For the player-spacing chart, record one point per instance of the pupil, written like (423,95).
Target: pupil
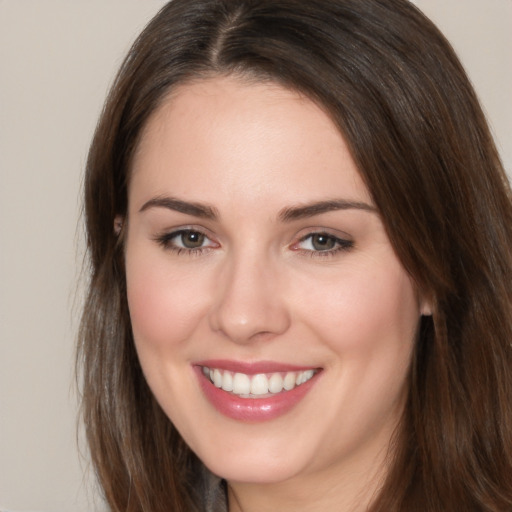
(192,240)
(323,242)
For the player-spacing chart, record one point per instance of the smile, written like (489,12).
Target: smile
(259,385)
(254,392)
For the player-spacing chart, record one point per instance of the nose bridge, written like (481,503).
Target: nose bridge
(250,299)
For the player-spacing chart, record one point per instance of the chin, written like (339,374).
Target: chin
(252,474)
(256,466)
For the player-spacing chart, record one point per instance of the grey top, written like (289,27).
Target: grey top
(214,492)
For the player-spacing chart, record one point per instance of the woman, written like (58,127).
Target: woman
(300,296)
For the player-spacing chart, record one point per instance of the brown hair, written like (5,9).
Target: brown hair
(401,99)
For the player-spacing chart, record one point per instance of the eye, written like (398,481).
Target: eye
(320,242)
(188,240)
(323,243)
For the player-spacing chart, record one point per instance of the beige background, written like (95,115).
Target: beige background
(57,58)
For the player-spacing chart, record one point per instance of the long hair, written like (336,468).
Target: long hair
(400,98)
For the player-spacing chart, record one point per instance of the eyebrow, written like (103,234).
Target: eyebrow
(288,214)
(189,208)
(317,208)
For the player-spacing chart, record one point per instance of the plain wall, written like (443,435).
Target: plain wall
(57,58)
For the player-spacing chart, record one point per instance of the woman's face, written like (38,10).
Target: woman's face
(256,259)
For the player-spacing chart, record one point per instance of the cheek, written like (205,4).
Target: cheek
(165,304)
(367,308)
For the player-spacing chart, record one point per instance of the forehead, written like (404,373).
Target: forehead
(228,136)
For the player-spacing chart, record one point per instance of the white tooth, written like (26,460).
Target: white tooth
(211,374)
(241,384)
(289,381)
(259,384)
(227,381)
(217,378)
(206,371)
(300,378)
(307,375)
(275,383)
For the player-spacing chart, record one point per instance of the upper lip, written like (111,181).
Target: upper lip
(254,367)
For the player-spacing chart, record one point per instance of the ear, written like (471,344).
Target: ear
(118,224)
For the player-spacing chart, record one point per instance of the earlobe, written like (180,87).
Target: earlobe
(118,224)
(426,301)
(426,310)
(426,306)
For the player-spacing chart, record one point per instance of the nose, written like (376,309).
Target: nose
(250,301)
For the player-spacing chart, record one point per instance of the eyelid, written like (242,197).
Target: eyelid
(185,228)
(317,230)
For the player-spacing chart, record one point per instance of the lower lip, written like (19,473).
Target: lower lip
(252,410)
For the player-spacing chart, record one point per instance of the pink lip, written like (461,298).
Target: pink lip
(252,410)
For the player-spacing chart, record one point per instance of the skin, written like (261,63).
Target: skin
(260,290)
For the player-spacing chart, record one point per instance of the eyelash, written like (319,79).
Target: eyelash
(166,241)
(340,244)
